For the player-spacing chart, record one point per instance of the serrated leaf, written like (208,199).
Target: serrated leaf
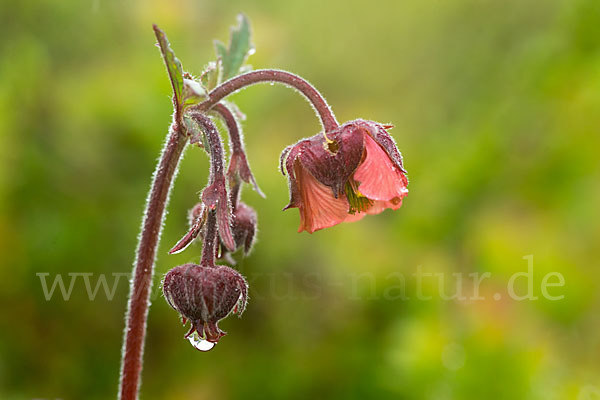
(240,48)
(174,68)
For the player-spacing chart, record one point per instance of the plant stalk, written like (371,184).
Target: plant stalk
(272,75)
(236,147)
(137,308)
(211,239)
(141,285)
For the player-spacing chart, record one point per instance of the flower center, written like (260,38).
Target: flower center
(357,201)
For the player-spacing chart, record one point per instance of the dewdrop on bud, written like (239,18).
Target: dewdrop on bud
(204,295)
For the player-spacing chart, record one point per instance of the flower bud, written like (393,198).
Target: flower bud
(244,232)
(356,170)
(244,226)
(205,295)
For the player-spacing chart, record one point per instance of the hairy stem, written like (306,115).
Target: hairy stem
(139,294)
(236,146)
(217,162)
(209,246)
(215,194)
(271,75)
(232,127)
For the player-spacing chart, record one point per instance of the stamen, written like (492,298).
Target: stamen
(356,200)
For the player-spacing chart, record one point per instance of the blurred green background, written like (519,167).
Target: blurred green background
(497,113)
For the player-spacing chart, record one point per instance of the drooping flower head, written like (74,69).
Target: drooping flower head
(204,295)
(356,170)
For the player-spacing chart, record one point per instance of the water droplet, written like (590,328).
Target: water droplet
(199,343)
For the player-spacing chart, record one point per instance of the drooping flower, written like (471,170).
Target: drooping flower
(204,295)
(356,170)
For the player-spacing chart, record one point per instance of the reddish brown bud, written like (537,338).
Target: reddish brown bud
(205,295)
(244,226)
(244,231)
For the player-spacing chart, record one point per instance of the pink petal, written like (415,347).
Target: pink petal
(379,177)
(377,207)
(318,208)
(355,217)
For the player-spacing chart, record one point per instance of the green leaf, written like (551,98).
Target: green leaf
(240,48)
(210,77)
(174,67)
(193,93)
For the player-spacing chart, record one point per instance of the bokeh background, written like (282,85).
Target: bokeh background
(497,112)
